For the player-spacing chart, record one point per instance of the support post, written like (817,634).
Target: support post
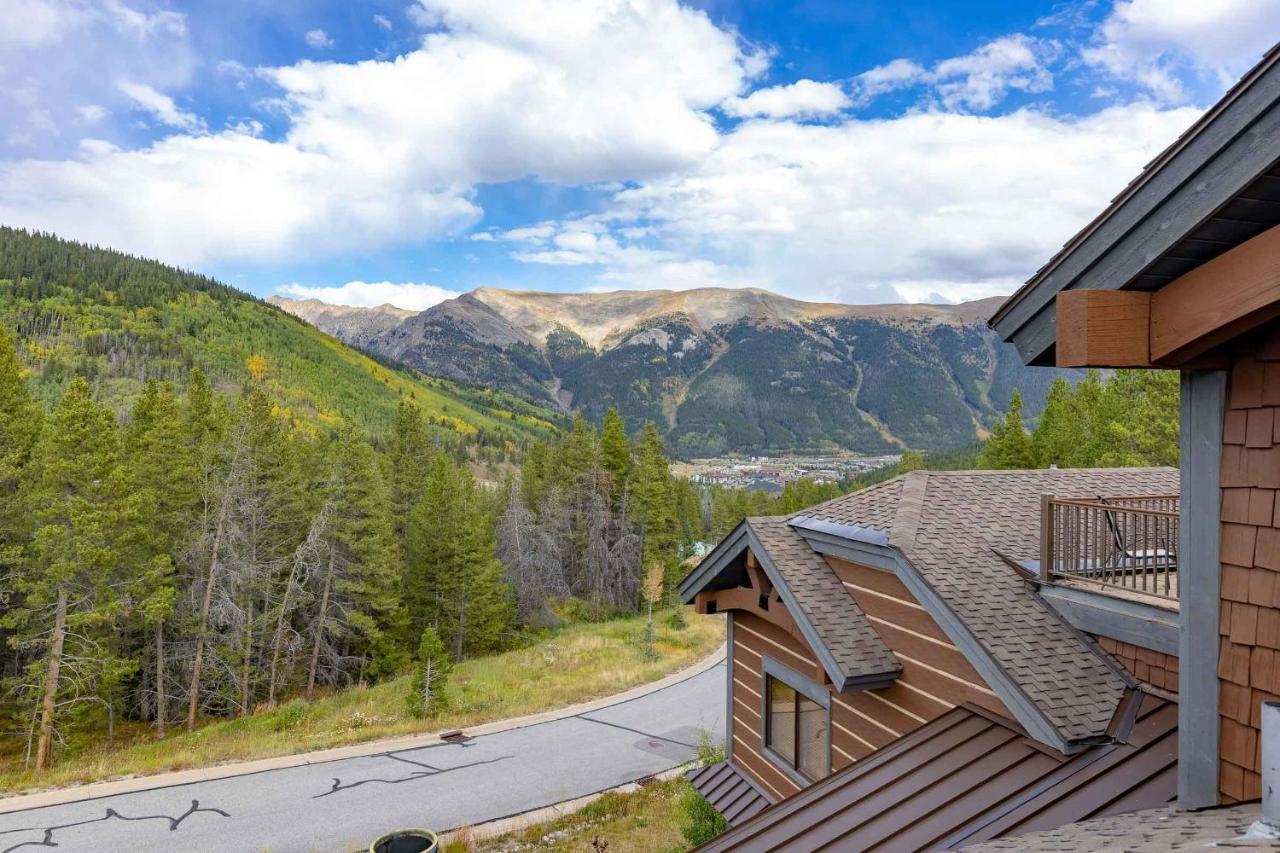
(1203,405)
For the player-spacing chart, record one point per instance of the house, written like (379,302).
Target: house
(1173,589)
(891,652)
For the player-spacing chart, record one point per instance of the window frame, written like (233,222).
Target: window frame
(809,689)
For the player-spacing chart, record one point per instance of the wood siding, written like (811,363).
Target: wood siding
(1248,663)
(1156,669)
(935,678)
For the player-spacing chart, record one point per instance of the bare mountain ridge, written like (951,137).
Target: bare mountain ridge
(601,319)
(723,369)
(355,326)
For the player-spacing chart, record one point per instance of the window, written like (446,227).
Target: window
(796,730)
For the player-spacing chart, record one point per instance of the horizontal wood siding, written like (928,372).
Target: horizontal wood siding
(935,678)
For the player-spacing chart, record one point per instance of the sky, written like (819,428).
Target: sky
(404,152)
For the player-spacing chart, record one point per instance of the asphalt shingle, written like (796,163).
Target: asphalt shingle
(950,524)
(838,620)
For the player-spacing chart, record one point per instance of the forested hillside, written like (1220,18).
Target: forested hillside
(722,370)
(206,554)
(118,321)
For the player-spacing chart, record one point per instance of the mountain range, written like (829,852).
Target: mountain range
(718,369)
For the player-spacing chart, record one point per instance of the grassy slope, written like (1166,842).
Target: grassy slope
(643,821)
(576,664)
(119,320)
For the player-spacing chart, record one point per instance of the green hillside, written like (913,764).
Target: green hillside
(119,320)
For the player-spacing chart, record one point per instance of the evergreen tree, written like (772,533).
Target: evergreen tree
(408,458)
(1060,437)
(1009,445)
(162,479)
(430,674)
(20,420)
(72,589)
(652,505)
(615,451)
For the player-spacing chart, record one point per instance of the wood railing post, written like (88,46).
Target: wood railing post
(1046,538)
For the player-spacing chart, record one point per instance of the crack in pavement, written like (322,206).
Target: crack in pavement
(421,774)
(634,731)
(48,831)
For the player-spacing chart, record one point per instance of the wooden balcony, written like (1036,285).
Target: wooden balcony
(1121,546)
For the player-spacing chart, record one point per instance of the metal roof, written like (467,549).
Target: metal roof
(971,776)
(729,792)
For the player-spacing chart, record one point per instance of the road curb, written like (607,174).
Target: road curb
(96,790)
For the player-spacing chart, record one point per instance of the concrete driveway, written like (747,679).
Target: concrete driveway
(345,803)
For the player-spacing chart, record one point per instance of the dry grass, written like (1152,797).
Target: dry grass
(576,664)
(644,821)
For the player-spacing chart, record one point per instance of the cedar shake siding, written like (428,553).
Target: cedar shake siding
(1154,669)
(935,678)
(1248,670)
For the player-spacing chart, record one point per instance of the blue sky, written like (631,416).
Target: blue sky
(405,151)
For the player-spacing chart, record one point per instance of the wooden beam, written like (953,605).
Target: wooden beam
(1216,301)
(1103,328)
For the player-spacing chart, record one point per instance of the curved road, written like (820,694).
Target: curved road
(345,803)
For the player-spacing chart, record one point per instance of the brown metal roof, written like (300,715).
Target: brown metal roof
(731,793)
(967,777)
(953,527)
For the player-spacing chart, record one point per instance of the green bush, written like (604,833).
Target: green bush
(676,620)
(701,822)
(289,716)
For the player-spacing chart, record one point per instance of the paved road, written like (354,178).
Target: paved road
(340,805)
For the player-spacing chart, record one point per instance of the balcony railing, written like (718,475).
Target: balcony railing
(1128,543)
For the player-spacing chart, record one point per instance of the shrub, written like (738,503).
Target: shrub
(701,822)
(289,716)
(676,620)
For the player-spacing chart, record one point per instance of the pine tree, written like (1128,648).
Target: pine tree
(615,451)
(357,615)
(1059,439)
(20,420)
(72,588)
(652,502)
(430,674)
(408,458)
(162,480)
(1009,446)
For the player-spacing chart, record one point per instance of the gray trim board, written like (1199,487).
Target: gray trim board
(1120,619)
(839,679)
(1203,405)
(1024,710)
(803,685)
(728,687)
(726,551)
(741,538)
(1208,171)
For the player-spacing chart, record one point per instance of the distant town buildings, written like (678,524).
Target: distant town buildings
(771,473)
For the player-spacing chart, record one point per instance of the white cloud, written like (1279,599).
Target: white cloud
(57,56)
(382,22)
(976,81)
(318,39)
(803,98)
(924,206)
(608,91)
(1165,44)
(161,106)
(92,113)
(366,294)
(195,199)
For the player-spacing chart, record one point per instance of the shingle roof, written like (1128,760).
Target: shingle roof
(838,620)
(950,524)
(969,776)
